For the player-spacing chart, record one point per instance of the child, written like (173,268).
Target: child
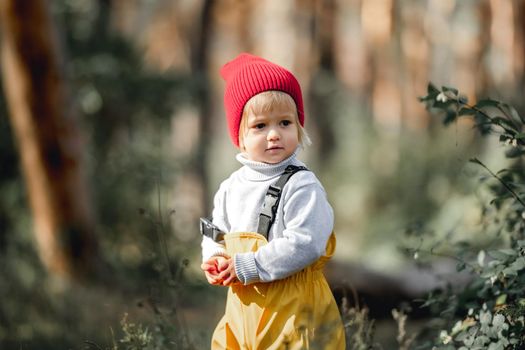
(271,260)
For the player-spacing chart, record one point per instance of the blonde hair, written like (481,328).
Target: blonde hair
(265,102)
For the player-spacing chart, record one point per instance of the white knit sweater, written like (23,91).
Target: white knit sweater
(297,238)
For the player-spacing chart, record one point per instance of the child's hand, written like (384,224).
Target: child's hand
(211,269)
(227,272)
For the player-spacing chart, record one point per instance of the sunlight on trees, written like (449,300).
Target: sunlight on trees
(127,96)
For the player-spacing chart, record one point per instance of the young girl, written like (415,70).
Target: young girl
(271,260)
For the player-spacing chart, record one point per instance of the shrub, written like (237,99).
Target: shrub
(488,313)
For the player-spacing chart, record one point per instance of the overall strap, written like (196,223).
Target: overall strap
(272,198)
(209,230)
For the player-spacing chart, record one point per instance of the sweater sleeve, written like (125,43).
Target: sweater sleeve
(209,246)
(308,221)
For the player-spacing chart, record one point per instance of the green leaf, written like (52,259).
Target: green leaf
(432,93)
(450,117)
(509,271)
(487,103)
(504,137)
(514,152)
(519,264)
(502,299)
(450,89)
(466,111)
(505,124)
(488,274)
(431,88)
(505,171)
(509,252)
(514,113)
(499,255)
(520,136)
(476,161)
(428,98)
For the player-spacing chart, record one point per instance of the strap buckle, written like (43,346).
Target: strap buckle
(271,201)
(274,191)
(209,230)
(272,198)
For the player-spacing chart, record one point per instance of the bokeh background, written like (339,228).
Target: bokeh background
(113,141)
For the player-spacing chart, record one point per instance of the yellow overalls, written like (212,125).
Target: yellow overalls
(298,312)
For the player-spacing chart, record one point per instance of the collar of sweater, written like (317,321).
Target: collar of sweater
(259,171)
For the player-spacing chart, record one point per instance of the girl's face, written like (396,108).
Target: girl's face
(271,136)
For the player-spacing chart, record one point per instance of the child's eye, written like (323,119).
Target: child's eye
(286,122)
(260,126)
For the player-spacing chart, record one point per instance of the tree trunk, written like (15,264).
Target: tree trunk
(48,141)
(199,55)
(321,92)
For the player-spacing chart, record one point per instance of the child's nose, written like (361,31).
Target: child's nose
(273,135)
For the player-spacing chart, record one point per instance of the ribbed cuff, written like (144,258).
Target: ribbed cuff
(245,268)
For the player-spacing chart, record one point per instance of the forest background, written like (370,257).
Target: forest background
(113,141)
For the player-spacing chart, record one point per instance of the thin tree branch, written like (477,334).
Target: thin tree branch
(514,194)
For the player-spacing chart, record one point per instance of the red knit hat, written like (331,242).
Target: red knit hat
(248,75)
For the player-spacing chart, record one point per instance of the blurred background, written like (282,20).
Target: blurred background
(113,141)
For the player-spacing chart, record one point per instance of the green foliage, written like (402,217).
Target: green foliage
(488,313)
(167,329)
(124,109)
